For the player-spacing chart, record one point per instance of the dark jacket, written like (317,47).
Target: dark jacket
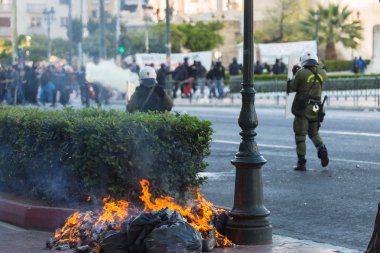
(149,99)
(161,77)
(234,68)
(201,71)
(218,71)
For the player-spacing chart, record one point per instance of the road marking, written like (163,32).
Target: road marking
(260,145)
(350,133)
(288,147)
(331,159)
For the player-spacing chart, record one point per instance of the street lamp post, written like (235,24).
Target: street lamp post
(248,223)
(102,36)
(49,15)
(70,33)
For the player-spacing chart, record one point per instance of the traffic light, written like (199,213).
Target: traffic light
(121,49)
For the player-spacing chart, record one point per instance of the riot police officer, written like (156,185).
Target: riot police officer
(149,96)
(308,83)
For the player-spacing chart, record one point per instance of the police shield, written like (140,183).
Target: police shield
(294,59)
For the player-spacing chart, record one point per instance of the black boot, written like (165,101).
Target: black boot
(323,155)
(301,164)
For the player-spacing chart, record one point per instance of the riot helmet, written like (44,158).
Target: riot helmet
(309,58)
(148,76)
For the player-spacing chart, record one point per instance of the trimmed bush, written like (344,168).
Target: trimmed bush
(64,156)
(336,82)
(340,65)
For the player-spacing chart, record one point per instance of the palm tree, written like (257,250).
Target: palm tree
(336,24)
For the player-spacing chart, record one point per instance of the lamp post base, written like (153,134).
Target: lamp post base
(243,231)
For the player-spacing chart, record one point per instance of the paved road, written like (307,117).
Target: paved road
(336,205)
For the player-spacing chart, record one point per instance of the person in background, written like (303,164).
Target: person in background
(47,87)
(33,81)
(83,87)
(235,68)
(355,66)
(219,76)
(258,68)
(200,76)
(361,65)
(210,80)
(3,83)
(149,96)
(161,76)
(267,69)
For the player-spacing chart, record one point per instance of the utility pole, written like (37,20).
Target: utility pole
(168,85)
(118,6)
(49,14)
(102,39)
(80,52)
(248,224)
(70,33)
(14,31)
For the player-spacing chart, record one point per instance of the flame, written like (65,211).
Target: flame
(82,225)
(87,226)
(199,216)
(113,212)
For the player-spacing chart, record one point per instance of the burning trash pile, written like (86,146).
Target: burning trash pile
(163,226)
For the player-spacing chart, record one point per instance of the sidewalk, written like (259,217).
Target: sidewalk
(19,240)
(22,240)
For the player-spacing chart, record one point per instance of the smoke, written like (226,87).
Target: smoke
(111,76)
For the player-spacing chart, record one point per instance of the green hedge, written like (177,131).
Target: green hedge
(340,65)
(335,82)
(64,156)
(359,82)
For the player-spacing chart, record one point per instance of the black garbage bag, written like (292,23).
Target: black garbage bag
(114,242)
(177,237)
(139,227)
(221,223)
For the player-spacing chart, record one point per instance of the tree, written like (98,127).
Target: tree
(77,30)
(5,52)
(335,25)
(38,48)
(201,36)
(157,39)
(59,48)
(281,23)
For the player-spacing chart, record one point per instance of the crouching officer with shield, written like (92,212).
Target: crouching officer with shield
(307,107)
(149,96)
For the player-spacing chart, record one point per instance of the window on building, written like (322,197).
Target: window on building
(35,22)
(5,22)
(63,21)
(94,14)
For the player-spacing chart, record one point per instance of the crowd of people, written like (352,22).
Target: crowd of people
(47,85)
(188,78)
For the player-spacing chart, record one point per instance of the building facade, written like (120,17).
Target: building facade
(30,18)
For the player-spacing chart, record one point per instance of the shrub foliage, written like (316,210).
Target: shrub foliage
(64,156)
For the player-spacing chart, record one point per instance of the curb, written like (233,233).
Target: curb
(28,216)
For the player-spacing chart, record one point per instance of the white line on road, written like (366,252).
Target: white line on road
(260,145)
(350,133)
(288,147)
